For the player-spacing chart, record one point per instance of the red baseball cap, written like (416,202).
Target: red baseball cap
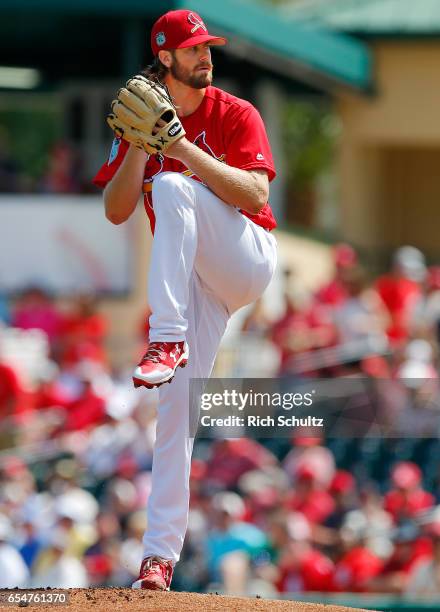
(406,475)
(342,482)
(180,29)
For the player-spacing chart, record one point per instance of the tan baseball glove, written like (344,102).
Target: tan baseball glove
(144,115)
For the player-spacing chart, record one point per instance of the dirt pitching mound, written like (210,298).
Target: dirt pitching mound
(128,600)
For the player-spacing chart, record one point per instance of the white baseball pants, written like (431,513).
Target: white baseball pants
(208,260)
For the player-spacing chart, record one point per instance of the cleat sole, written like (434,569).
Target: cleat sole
(141,383)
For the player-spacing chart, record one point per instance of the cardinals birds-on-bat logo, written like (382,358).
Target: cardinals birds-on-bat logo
(196,22)
(155,167)
(200,141)
(156,163)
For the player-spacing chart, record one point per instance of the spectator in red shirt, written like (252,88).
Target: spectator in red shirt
(35,310)
(49,394)
(231,458)
(302,567)
(343,491)
(407,498)
(305,569)
(84,332)
(304,326)
(409,549)
(335,292)
(309,497)
(401,291)
(85,411)
(12,394)
(424,579)
(355,570)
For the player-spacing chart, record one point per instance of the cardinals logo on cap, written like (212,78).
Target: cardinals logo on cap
(196,22)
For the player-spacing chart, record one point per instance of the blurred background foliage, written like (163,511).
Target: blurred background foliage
(30,135)
(310,136)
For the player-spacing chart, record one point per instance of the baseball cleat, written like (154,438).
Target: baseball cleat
(159,364)
(155,575)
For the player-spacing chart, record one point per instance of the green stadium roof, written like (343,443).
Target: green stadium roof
(370,17)
(257,33)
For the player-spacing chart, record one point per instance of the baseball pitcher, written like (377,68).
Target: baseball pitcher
(202,159)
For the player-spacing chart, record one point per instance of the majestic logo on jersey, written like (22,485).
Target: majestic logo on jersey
(114,151)
(160,39)
(196,22)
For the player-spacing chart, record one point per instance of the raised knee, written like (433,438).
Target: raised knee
(169,181)
(172,191)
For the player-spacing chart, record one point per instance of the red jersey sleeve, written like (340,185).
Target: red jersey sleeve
(248,146)
(108,170)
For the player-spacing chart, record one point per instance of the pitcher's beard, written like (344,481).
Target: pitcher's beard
(196,80)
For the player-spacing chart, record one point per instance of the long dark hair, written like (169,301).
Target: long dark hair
(155,71)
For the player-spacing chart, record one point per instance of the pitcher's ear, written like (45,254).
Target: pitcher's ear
(165,57)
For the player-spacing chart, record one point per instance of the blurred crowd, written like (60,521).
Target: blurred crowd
(291,515)
(354,321)
(61,173)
